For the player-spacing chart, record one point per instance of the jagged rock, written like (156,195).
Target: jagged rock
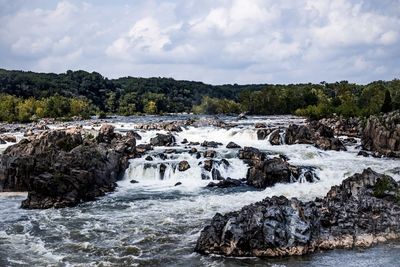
(262,134)
(275,137)
(382,134)
(183,166)
(211,144)
(269,172)
(59,168)
(174,126)
(136,135)
(362,211)
(162,140)
(344,126)
(251,155)
(209,154)
(7,138)
(232,145)
(314,133)
(224,183)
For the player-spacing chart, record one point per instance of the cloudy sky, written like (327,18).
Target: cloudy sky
(214,41)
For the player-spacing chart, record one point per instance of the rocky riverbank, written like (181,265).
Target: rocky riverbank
(361,212)
(61,168)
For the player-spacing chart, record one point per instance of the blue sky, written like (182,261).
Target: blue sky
(237,41)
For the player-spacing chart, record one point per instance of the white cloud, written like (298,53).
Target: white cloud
(242,41)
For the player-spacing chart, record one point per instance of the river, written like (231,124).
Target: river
(154,223)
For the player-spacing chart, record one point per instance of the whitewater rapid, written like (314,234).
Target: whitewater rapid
(155,223)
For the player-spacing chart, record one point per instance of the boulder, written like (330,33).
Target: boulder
(269,172)
(60,168)
(259,125)
(7,138)
(364,210)
(232,145)
(211,144)
(162,140)
(183,166)
(224,183)
(251,155)
(275,137)
(209,154)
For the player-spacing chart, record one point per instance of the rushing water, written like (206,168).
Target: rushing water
(154,223)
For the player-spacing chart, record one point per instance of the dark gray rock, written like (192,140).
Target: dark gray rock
(232,145)
(162,140)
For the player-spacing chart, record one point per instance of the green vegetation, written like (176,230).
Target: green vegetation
(26,96)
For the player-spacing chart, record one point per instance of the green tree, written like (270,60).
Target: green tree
(150,107)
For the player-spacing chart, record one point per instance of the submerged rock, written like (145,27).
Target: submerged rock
(362,211)
(60,168)
(382,134)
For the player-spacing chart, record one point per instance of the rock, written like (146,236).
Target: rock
(133,182)
(136,135)
(251,155)
(209,154)
(143,148)
(259,125)
(242,116)
(162,169)
(184,141)
(216,174)
(275,137)
(232,145)
(314,133)
(183,166)
(174,126)
(211,144)
(7,138)
(178,183)
(194,143)
(193,150)
(224,183)
(162,156)
(361,212)
(224,162)
(198,155)
(171,151)
(344,126)
(208,164)
(59,168)
(269,172)
(162,140)
(382,134)
(262,134)
(363,153)
(149,158)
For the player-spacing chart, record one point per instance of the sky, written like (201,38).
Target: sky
(214,41)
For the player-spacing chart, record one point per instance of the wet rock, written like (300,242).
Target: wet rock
(7,138)
(363,153)
(344,126)
(211,144)
(314,133)
(225,183)
(224,162)
(251,155)
(162,169)
(259,125)
(198,155)
(382,134)
(178,183)
(262,134)
(209,154)
(143,148)
(232,145)
(193,150)
(174,126)
(162,140)
(194,143)
(60,168)
(208,164)
(162,156)
(183,166)
(149,158)
(242,116)
(205,176)
(171,151)
(184,141)
(275,137)
(216,174)
(133,182)
(362,211)
(269,172)
(136,135)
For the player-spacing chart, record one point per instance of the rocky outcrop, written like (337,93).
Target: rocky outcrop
(314,133)
(269,172)
(162,140)
(344,126)
(61,168)
(382,134)
(362,211)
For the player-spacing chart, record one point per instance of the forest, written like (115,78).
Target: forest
(27,96)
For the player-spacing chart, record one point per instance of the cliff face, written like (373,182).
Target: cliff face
(382,134)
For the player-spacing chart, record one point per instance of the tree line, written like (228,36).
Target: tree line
(26,96)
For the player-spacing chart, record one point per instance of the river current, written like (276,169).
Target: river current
(154,223)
